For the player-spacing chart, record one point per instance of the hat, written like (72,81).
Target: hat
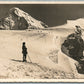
(23,42)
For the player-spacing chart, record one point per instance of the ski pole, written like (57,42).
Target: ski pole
(29,59)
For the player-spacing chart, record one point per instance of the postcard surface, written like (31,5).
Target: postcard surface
(41,42)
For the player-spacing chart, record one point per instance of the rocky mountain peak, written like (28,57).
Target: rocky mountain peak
(20,20)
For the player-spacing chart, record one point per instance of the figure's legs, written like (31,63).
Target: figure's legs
(25,58)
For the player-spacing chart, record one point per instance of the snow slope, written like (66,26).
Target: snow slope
(44,51)
(72,23)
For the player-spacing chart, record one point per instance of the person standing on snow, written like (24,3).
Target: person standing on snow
(24,51)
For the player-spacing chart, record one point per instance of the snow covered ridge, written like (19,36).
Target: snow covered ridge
(20,20)
(72,23)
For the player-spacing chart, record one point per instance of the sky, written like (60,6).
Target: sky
(51,14)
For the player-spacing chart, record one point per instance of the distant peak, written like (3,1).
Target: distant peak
(18,19)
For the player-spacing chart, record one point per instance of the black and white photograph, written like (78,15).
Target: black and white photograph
(41,41)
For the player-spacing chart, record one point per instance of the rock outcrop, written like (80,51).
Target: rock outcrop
(73,46)
(20,20)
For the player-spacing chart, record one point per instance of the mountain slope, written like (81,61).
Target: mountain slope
(72,23)
(20,20)
(42,48)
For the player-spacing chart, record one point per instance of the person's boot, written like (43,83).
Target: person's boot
(25,60)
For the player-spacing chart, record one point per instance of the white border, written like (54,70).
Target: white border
(41,2)
(42,80)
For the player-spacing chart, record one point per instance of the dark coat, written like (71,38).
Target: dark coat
(24,50)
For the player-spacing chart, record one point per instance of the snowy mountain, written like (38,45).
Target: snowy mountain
(20,20)
(72,23)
